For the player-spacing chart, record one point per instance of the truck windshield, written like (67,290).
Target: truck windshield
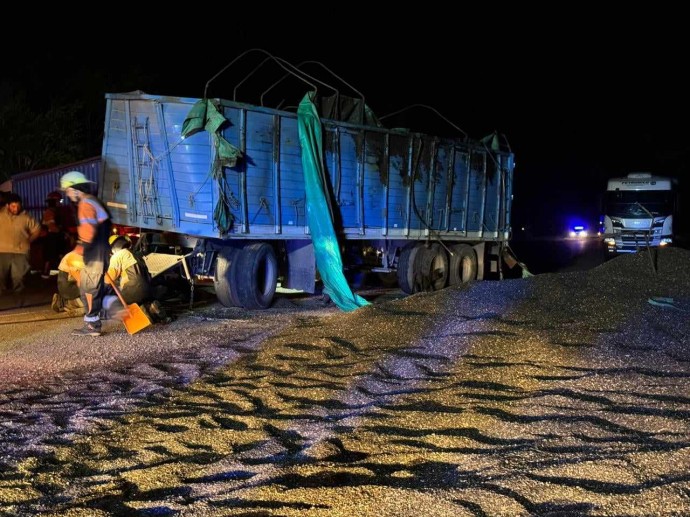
(630,203)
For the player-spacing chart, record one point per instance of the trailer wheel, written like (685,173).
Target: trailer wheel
(257,276)
(224,281)
(406,267)
(433,268)
(463,264)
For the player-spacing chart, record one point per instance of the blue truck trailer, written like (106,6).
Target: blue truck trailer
(429,212)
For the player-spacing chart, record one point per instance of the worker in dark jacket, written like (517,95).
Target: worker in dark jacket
(93,230)
(52,235)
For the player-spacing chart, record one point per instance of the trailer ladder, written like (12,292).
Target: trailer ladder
(145,163)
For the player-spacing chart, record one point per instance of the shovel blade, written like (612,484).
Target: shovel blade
(135,319)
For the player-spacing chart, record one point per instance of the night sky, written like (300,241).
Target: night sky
(580,96)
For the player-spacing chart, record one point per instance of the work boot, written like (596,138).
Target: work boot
(57,304)
(157,312)
(90,328)
(74,304)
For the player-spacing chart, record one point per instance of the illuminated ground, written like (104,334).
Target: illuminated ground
(559,394)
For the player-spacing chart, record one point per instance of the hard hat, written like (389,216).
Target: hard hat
(118,242)
(74,260)
(73,178)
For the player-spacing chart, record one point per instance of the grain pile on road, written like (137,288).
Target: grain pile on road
(559,394)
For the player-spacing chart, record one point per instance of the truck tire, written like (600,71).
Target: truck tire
(257,275)
(463,264)
(406,266)
(224,281)
(432,268)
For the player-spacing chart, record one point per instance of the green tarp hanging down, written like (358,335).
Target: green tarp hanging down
(205,116)
(326,248)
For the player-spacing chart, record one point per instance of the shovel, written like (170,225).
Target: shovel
(136,319)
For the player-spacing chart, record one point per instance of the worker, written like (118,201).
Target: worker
(52,237)
(68,298)
(94,229)
(128,271)
(18,229)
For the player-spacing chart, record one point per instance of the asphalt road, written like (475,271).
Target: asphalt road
(559,254)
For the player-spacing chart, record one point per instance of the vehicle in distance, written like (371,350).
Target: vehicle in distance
(578,231)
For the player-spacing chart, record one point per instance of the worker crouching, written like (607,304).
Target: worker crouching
(68,299)
(131,276)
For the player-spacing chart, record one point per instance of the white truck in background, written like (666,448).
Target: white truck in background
(638,213)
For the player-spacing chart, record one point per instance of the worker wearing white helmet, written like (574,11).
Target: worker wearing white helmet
(93,231)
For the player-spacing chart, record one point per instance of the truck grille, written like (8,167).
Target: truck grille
(632,240)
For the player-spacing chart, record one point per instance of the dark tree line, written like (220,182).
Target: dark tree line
(32,139)
(52,107)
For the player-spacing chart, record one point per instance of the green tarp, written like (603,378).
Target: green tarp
(205,116)
(326,248)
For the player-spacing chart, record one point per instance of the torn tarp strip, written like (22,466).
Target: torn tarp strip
(667,303)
